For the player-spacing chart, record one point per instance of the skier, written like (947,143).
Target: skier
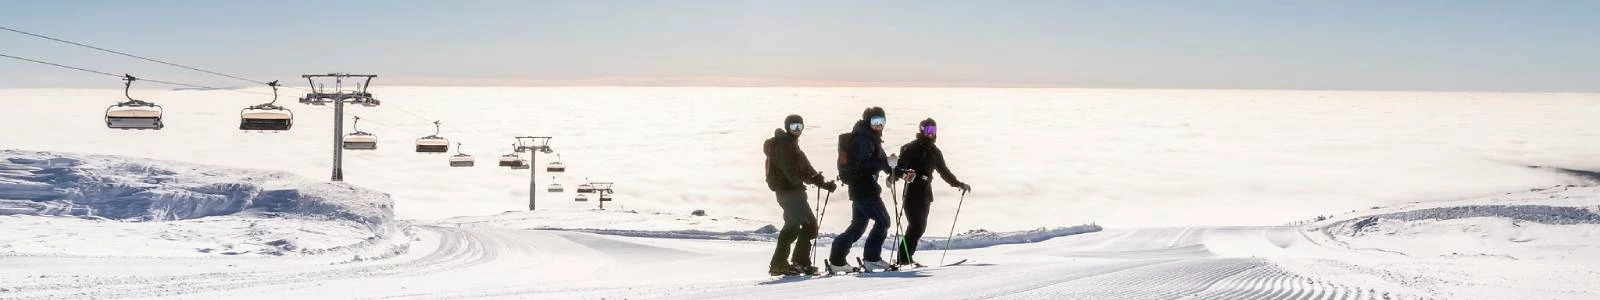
(787,170)
(921,156)
(861,159)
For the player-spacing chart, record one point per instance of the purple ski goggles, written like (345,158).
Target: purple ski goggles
(930,130)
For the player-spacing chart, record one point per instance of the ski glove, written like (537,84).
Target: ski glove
(830,186)
(964,187)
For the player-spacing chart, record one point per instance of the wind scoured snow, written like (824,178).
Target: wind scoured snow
(1539,244)
(59,204)
(1557,223)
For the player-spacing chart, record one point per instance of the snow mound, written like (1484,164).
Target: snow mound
(1559,223)
(89,205)
(605,221)
(41,183)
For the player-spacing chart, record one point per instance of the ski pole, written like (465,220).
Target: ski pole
(822,213)
(899,235)
(952,235)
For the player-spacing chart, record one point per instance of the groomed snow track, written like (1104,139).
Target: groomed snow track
(444,262)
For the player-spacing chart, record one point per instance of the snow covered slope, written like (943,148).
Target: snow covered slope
(72,204)
(499,257)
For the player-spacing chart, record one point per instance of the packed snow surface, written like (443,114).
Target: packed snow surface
(1538,244)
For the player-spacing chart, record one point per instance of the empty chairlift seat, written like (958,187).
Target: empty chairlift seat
(585,188)
(134,116)
(265,119)
(581,198)
(462,160)
(510,160)
(134,113)
(556,166)
(555,187)
(360,140)
(433,143)
(267,116)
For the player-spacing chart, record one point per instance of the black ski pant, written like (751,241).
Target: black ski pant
(799,229)
(916,224)
(869,209)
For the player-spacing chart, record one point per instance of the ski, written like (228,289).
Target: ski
(957,263)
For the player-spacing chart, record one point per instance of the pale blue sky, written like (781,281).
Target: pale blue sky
(1411,45)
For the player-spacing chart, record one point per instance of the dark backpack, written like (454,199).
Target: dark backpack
(847,145)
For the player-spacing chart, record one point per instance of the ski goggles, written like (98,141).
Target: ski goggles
(930,130)
(877,121)
(797,127)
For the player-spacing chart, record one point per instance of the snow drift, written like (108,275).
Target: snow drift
(1558,223)
(41,183)
(225,206)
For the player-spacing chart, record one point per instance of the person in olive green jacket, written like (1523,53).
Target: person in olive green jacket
(788,170)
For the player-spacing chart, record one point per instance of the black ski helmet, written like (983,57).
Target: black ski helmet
(922,127)
(873,112)
(792,119)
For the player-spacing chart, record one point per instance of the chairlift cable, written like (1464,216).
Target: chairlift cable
(129,55)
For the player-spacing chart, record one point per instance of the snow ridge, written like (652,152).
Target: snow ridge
(41,183)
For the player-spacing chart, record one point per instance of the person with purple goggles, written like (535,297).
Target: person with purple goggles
(919,159)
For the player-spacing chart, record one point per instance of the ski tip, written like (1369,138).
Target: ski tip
(959,262)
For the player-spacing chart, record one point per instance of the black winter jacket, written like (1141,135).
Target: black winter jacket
(924,157)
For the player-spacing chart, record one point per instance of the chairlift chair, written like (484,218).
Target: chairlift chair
(511,160)
(433,143)
(267,116)
(556,166)
(554,187)
(134,113)
(461,159)
(360,140)
(585,188)
(581,198)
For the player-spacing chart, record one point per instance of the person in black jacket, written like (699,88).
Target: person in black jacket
(865,161)
(918,160)
(787,172)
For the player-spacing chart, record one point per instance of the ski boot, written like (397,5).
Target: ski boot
(877,265)
(908,264)
(807,270)
(840,269)
(782,271)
